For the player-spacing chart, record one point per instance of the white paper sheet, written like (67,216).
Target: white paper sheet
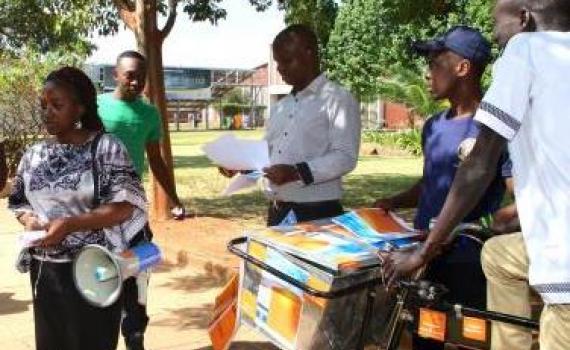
(237,154)
(241,182)
(27,238)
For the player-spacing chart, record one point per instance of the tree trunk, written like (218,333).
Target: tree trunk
(149,42)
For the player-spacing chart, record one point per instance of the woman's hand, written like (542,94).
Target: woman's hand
(107,215)
(31,222)
(56,231)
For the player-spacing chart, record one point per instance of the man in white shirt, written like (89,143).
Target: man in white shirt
(313,134)
(527,106)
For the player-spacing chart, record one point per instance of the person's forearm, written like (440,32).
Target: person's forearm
(107,215)
(409,198)
(333,165)
(506,220)
(513,225)
(470,184)
(162,175)
(507,213)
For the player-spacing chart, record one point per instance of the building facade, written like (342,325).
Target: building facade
(195,96)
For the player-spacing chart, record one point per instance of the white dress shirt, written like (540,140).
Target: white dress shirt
(529,104)
(317,129)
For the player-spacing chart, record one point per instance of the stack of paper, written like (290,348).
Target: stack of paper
(379,229)
(343,243)
(331,252)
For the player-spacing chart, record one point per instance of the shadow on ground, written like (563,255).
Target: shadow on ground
(187,318)
(10,306)
(182,260)
(245,206)
(197,283)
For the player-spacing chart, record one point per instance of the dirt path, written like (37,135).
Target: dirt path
(180,295)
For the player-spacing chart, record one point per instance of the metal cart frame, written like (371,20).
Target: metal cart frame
(427,293)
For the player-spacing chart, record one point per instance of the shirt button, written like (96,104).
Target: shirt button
(290,116)
(285,133)
(279,151)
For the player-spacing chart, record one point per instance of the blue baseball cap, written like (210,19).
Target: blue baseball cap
(465,41)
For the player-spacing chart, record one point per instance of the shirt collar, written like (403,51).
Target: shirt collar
(314,86)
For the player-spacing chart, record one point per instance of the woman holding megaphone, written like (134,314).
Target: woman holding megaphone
(79,187)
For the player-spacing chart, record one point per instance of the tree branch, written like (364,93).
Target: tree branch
(172,5)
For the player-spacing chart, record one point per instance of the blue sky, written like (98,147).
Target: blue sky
(240,41)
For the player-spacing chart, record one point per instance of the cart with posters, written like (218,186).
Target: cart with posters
(319,285)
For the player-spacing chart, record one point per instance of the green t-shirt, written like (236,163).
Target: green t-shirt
(135,123)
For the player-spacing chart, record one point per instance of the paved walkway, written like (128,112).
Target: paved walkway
(180,301)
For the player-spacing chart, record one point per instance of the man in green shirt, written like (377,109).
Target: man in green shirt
(137,124)
(134,121)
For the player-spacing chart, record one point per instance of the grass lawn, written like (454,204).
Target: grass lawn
(199,184)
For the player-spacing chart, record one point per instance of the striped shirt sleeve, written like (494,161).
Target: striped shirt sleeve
(508,99)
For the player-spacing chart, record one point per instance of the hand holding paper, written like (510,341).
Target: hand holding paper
(281,174)
(242,181)
(236,154)
(233,155)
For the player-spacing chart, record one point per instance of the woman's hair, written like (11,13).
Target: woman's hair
(79,84)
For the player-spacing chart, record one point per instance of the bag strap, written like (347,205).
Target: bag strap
(94,146)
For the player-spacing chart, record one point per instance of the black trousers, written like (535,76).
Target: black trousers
(303,211)
(63,319)
(135,317)
(459,269)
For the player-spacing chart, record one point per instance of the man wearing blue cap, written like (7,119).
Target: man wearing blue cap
(525,109)
(457,61)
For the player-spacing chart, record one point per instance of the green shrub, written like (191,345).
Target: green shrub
(409,140)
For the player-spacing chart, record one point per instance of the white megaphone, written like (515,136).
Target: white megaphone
(99,274)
